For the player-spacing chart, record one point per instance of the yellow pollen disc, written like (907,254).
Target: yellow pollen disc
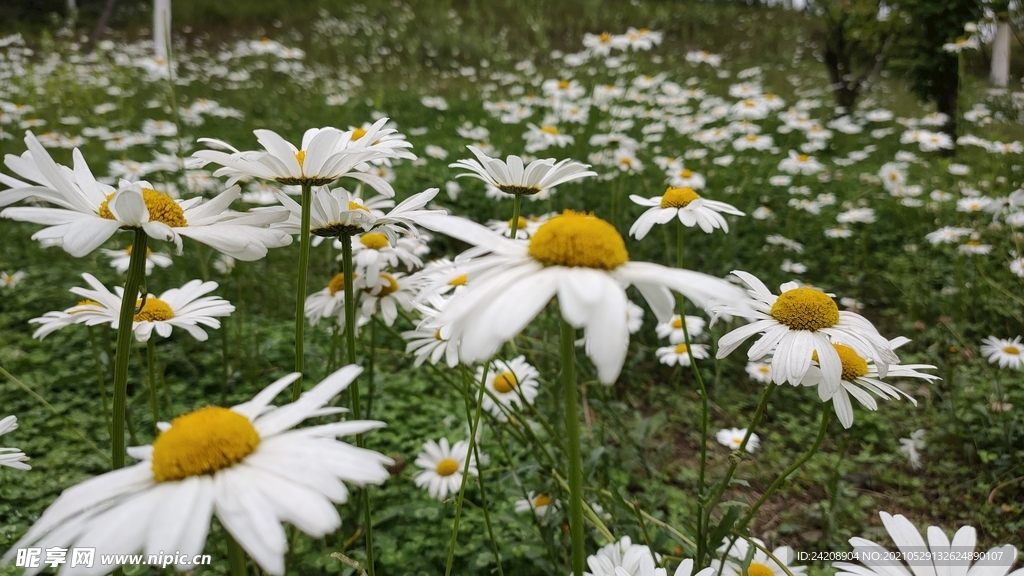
(549,130)
(681,349)
(563,84)
(337,284)
(391,288)
(764,369)
(505,382)
(541,500)
(853,365)
(973,243)
(128,251)
(447,467)
(358,133)
(162,208)
(803,157)
(749,103)
(357,206)
(203,442)
(437,334)
(751,137)
(155,310)
(374,240)
(577,239)
(605,37)
(678,197)
(805,309)
(686,173)
(520,224)
(1011,350)
(459,280)
(758,569)
(677,323)
(894,176)
(626,161)
(85,303)
(301,157)
(961,41)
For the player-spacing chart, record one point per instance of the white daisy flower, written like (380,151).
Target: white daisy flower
(760,564)
(8,280)
(686,178)
(682,203)
(90,213)
(184,308)
(681,354)
(247,465)
(797,323)
(12,457)
(510,384)
(539,504)
(1006,353)
(759,371)
(372,252)
(120,259)
(326,154)
(330,302)
(442,467)
(543,137)
(512,177)
(732,438)
(622,555)
(389,291)
(912,448)
(800,164)
(860,377)
(428,343)
(581,260)
(940,555)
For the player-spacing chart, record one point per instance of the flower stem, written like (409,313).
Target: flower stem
(572,439)
(469,460)
(125,333)
(826,416)
(100,380)
(348,270)
(154,403)
(517,204)
(300,288)
(236,558)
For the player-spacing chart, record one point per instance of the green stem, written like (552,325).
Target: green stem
(50,407)
(224,368)
(826,416)
(236,557)
(125,334)
(469,460)
(483,490)
(300,288)
(348,270)
(517,204)
(100,380)
(154,404)
(572,440)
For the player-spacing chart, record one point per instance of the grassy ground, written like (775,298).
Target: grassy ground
(642,440)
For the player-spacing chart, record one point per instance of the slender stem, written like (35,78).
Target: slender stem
(371,357)
(224,368)
(572,440)
(236,557)
(100,380)
(483,490)
(125,334)
(517,204)
(469,460)
(154,404)
(300,288)
(350,345)
(50,407)
(826,416)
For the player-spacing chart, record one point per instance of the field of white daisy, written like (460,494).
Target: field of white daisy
(434,287)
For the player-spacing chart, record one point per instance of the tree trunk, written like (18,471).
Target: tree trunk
(108,9)
(1001,54)
(161,28)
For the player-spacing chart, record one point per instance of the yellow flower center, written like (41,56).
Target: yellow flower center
(85,303)
(803,158)
(549,130)
(520,224)
(390,288)
(300,155)
(751,137)
(358,133)
(541,500)
(678,197)
(337,284)
(605,37)
(459,280)
(681,349)
(128,251)
(155,310)
(563,84)
(447,467)
(677,323)
(961,42)
(749,103)
(162,208)
(576,239)
(505,382)
(758,569)
(625,160)
(203,442)
(1011,349)
(357,206)
(374,240)
(764,369)
(686,173)
(437,334)
(853,365)
(805,309)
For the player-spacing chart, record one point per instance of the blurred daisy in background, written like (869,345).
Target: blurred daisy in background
(673,329)
(513,176)
(443,466)
(1006,353)
(120,259)
(509,385)
(912,448)
(681,354)
(685,204)
(733,438)
(11,280)
(538,503)
(12,457)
